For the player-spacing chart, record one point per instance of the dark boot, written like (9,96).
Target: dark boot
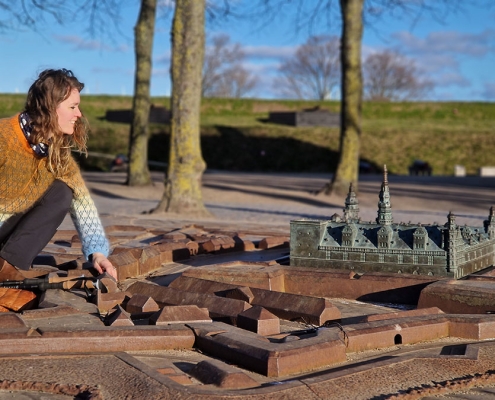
(9,273)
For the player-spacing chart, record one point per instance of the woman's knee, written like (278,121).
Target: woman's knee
(59,195)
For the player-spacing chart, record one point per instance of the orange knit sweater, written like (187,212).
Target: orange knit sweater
(25,177)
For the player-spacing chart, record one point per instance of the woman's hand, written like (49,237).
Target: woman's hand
(101,264)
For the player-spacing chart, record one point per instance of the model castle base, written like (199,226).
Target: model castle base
(383,246)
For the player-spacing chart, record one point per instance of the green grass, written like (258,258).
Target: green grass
(236,136)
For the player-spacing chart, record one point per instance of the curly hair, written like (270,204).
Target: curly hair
(52,87)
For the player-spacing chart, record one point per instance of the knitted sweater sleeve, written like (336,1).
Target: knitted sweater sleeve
(85,215)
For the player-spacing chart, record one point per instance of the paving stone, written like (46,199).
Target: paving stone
(166,371)
(180,314)
(181,379)
(119,318)
(222,375)
(140,303)
(259,320)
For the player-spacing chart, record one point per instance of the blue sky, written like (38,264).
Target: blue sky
(457,53)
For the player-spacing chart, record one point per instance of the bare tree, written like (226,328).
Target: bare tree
(353,13)
(223,72)
(182,192)
(138,172)
(313,72)
(390,76)
(30,13)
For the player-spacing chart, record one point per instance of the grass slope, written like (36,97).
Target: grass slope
(235,134)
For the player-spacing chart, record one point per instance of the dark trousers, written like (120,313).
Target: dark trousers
(24,235)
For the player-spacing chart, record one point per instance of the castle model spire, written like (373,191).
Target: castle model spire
(490,224)
(384,206)
(351,210)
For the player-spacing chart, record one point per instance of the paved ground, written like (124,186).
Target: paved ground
(268,202)
(275,199)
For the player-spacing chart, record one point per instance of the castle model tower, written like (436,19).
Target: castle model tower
(384,206)
(351,210)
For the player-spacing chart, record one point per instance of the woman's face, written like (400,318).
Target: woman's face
(68,112)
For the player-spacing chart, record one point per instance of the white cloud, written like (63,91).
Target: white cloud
(79,43)
(448,42)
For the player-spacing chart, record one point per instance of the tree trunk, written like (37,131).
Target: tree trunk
(352,88)
(138,172)
(182,192)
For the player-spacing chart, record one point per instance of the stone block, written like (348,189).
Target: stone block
(245,348)
(140,303)
(11,321)
(218,307)
(460,296)
(215,372)
(259,320)
(308,309)
(75,242)
(86,339)
(173,251)
(58,297)
(242,244)
(50,313)
(388,333)
(404,314)
(150,259)
(240,293)
(119,318)
(273,241)
(126,263)
(284,305)
(17,299)
(218,244)
(180,315)
(107,301)
(107,283)
(261,275)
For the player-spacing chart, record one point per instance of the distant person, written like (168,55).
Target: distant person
(40,181)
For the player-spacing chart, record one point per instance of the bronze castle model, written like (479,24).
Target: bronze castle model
(384,246)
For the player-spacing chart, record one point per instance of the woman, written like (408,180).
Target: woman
(40,181)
